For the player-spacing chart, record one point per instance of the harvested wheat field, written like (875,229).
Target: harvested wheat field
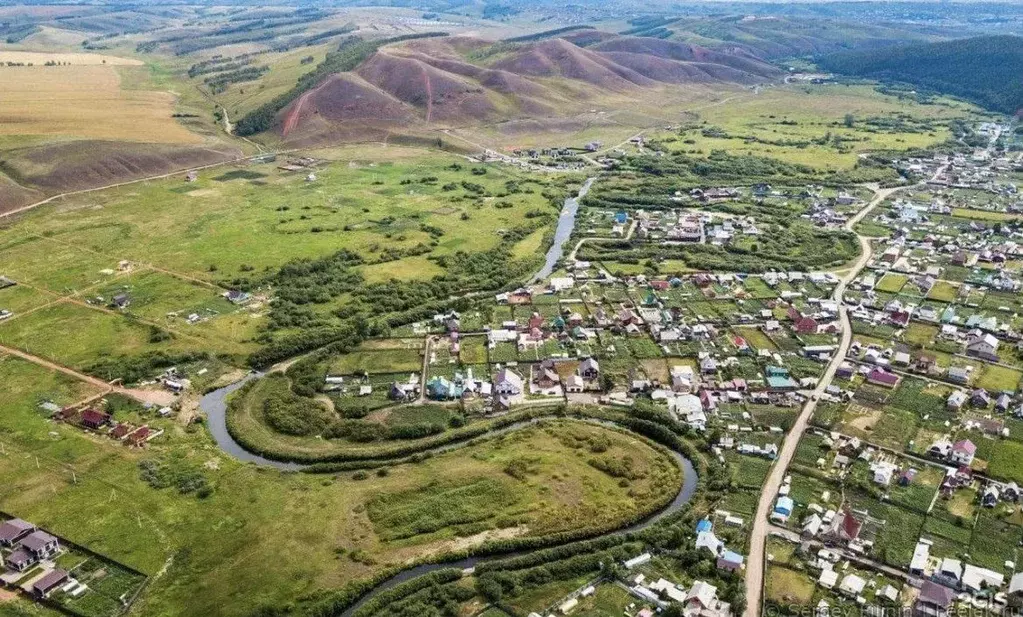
(84,101)
(37,58)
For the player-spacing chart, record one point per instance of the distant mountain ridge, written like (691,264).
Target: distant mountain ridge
(777,37)
(986,70)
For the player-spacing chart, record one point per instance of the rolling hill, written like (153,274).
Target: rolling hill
(775,37)
(985,70)
(463,80)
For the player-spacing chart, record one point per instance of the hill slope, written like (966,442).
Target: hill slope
(986,70)
(462,80)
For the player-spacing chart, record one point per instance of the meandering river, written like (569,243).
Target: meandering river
(214,404)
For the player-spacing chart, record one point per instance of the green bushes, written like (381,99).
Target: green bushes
(177,473)
(407,590)
(437,506)
(138,368)
(291,414)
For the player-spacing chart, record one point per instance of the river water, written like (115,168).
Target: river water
(214,404)
(566,223)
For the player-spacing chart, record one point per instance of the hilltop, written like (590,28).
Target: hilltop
(985,70)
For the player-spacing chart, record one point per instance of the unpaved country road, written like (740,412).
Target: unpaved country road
(758,539)
(157,397)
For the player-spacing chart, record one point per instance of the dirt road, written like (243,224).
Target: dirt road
(157,397)
(758,538)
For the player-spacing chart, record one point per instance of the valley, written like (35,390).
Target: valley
(507,309)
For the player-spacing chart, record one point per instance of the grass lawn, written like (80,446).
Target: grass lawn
(78,336)
(787,587)
(367,201)
(920,334)
(943,291)
(756,338)
(996,378)
(20,298)
(1007,462)
(378,361)
(805,113)
(607,601)
(892,282)
(983,215)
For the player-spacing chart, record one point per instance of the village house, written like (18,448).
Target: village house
(12,531)
(934,600)
(956,400)
(40,544)
(508,383)
(881,377)
(589,369)
(983,346)
(962,452)
(93,419)
(844,528)
(702,601)
(49,582)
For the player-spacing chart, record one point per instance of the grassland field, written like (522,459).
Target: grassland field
(804,113)
(85,101)
(258,516)
(181,239)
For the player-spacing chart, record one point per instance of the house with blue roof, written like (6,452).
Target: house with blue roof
(704,525)
(778,379)
(730,560)
(782,509)
(442,389)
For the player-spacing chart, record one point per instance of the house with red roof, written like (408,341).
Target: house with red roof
(963,452)
(845,527)
(881,377)
(806,325)
(899,318)
(139,437)
(94,419)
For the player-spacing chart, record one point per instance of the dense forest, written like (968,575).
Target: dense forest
(985,70)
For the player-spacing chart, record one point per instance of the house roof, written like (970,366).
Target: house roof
(509,376)
(702,592)
(92,416)
(52,579)
(883,376)
(37,540)
(730,558)
(964,446)
(20,556)
(13,529)
(851,526)
(853,583)
(933,593)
